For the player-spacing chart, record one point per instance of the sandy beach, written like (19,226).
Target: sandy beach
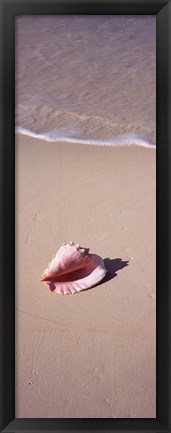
(89,78)
(89,355)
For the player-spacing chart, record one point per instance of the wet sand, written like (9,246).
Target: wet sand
(89,355)
(86,76)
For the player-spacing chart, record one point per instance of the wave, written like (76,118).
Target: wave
(118,140)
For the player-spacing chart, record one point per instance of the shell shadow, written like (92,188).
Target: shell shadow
(112,266)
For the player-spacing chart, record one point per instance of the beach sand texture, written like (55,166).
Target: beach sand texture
(91,354)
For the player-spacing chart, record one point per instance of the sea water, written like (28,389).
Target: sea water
(87,79)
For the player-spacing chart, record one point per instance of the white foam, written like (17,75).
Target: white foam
(119,140)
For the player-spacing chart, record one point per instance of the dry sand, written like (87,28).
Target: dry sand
(92,354)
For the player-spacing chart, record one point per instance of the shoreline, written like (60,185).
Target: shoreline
(126,139)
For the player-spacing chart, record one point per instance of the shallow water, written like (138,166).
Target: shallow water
(87,77)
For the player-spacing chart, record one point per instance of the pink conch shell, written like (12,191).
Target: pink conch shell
(73,269)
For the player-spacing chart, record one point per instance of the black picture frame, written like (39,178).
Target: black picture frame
(9,10)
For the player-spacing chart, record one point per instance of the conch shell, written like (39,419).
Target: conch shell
(73,269)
